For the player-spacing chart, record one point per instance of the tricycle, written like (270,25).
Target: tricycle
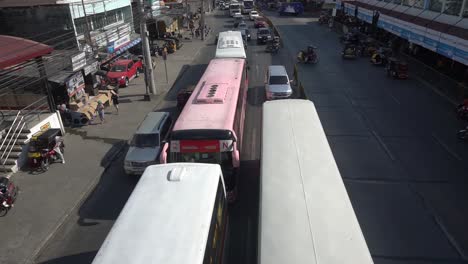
(42,150)
(397,69)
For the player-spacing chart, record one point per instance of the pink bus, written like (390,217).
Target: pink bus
(209,128)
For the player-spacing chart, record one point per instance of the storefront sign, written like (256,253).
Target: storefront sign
(45,126)
(75,84)
(115,45)
(78,61)
(93,67)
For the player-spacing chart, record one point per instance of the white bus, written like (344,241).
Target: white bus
(177,214)
(234,7)
(305,212)
(230,45)
(247,6)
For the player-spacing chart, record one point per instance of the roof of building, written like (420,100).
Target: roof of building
(14,50)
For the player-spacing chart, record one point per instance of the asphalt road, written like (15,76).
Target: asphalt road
(80,237)
(393,141)
(395,145)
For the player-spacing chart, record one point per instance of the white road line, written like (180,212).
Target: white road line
(451,152)
(384,146)
(394,98)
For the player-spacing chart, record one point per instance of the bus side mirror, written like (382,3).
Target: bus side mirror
(163,156)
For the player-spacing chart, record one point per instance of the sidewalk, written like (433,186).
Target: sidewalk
(47,199)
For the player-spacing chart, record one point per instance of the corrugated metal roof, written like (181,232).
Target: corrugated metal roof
(14,50)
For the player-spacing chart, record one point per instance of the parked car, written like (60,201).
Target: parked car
(123,71)
(145,145)
(253,14)
(260,22)
(263,35)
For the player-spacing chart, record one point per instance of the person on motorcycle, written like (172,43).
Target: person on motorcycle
(58,144)
(309,54)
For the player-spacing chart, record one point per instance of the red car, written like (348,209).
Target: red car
(123,71)
(260,23)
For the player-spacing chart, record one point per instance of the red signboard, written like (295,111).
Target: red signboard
(205,146)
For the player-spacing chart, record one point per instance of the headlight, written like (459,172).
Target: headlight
(128,163)
(122,77)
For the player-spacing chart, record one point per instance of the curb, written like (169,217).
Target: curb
(62,220)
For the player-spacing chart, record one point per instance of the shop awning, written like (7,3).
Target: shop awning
(107,57)
(14,50)
(127,46)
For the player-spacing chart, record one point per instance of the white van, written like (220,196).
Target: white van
(277,83)
(145,145)
(230,45)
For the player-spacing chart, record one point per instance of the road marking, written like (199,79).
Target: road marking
(451,152)
(384,146)
(439,222)
(257,71)
(394,98)
(435,90)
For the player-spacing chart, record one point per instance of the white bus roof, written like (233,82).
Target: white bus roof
(165,221)
(230,45)
(305,212)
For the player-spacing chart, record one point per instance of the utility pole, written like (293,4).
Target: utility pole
(202,20)
(146,49)
(87,28)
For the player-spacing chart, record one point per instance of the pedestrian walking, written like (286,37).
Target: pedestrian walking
(115,99)
(100,111)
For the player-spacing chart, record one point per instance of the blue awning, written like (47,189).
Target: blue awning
(126,46)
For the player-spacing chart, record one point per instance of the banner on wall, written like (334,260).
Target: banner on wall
(365,14)
(75,84)
(431,39)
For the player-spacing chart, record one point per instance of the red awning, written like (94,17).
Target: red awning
(14,50)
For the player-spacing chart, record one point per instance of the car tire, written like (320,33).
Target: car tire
(126,82)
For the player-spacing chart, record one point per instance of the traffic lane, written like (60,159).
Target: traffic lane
(364,86)
(244,214)
(81,235)
(399,119)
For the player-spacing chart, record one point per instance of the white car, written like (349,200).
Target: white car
(237,15)
(253,14)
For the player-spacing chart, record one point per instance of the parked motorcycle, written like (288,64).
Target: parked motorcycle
(8,194)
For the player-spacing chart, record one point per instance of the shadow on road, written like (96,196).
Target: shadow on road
(73,259)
